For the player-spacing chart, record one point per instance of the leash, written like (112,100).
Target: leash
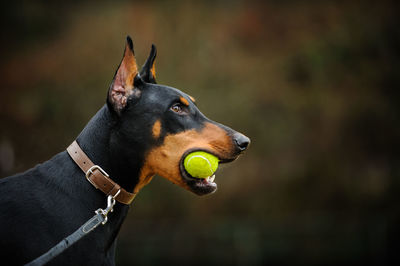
(86,228)
(100,180)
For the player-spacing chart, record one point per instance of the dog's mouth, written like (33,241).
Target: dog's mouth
(200,186)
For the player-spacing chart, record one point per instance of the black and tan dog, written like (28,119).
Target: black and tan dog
(144,129)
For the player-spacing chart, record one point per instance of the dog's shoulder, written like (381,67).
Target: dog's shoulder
(26,192)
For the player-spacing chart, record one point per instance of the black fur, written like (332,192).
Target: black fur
(145,73)
(50,201)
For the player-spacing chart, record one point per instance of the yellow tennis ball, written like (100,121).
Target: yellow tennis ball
(200,164)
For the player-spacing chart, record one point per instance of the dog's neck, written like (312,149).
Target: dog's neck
(98,142)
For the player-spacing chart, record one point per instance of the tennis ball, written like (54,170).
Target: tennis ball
(200,164)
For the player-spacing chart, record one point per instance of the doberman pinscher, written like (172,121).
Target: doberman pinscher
(144,129)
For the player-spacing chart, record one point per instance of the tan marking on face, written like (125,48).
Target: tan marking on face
(143,181)
(192,99)
(184,101)
(164,160)
(156,129)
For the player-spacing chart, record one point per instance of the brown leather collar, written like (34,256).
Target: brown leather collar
(98,177)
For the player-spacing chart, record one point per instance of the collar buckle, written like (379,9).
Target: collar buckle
(90,172)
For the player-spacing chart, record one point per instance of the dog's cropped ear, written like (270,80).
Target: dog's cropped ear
(148,71)
(124,80)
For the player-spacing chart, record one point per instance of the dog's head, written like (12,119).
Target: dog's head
(164,124)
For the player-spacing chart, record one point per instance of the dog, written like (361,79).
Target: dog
(143,129)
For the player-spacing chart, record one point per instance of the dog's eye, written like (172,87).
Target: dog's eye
(177,108)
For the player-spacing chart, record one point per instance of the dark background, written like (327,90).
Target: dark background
(315,84)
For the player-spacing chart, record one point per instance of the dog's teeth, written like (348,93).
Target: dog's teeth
(211,179)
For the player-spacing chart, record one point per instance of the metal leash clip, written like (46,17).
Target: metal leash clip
(110,205)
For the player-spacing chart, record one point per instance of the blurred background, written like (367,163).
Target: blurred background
(314,84)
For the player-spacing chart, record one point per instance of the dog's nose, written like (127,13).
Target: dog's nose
(241,141)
